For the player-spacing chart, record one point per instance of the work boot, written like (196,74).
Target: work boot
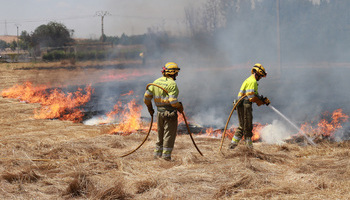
(157,153)
(249,142)
(232,145)
(167,158)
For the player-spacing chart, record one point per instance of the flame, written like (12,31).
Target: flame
(55,103)
(324,127)
(128,94)
(256,131)
(230,132)
(120,76)
(180,118)
(112,114)
(130,118)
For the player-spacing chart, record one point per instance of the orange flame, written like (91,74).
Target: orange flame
(128,94)
(180,118)
(123,76)
(55,103)
(130,118)
(325,128)
(256,131)
(210,132)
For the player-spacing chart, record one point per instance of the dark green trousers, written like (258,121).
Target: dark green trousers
(167,129)
(245,118)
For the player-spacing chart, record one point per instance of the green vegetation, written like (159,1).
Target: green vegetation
(127,53)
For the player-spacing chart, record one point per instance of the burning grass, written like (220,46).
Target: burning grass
(55,103)
(54,159)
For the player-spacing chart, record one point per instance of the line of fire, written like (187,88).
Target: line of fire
(77,104)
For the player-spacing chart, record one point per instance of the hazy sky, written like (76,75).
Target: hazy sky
(126,16)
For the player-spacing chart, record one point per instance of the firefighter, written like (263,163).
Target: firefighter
(167,107)
(244,108)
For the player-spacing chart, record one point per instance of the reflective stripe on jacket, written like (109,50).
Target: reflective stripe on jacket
(250,88)
(161,98)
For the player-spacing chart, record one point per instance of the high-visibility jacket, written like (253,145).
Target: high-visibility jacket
(161,98)
(250,88)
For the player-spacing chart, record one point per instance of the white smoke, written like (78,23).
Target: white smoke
(275,133)
(343,133)
(209,117)
(317,2)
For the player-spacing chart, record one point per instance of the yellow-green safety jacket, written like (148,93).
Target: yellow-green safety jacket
(161,98)
(250,88)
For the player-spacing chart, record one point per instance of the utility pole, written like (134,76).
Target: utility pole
(5,28)
(102,14)
(17,25)
(278,38)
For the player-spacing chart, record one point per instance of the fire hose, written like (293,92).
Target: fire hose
(150,127)
(144,140)
(183,114)
(228,120)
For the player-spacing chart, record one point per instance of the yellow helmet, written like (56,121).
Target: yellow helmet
(170,68)
(259,69)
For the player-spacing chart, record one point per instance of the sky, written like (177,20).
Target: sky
(131,17)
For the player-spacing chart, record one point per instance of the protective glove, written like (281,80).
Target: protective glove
(260,101)
(150,110)
(180,108)
(261,97)
(234,102)
(266,101)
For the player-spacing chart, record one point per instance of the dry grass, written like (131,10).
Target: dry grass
(52,159)
(8,38)
(28,176)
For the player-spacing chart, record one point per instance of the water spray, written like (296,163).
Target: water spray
(295,126)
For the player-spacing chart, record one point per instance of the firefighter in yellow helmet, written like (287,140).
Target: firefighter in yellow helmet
(244,108)
(167,107)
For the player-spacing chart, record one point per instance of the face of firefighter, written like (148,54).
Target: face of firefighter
(175,75)
(257,76)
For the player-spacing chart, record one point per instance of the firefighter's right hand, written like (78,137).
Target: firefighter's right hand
(180,108)
(150,110)
(266,101)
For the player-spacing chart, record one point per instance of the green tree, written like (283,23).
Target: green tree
(52,35)
(25,41)
(13,45)
(3,45)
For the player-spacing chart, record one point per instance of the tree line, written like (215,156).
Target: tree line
(308,29)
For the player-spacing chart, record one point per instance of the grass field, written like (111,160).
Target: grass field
(54,159)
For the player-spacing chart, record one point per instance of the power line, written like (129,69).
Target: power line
(22,21)
(143,17)
(44,20)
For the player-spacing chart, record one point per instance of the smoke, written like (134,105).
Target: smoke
(275,133)
(311,79)
(343,133)
(226,42)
